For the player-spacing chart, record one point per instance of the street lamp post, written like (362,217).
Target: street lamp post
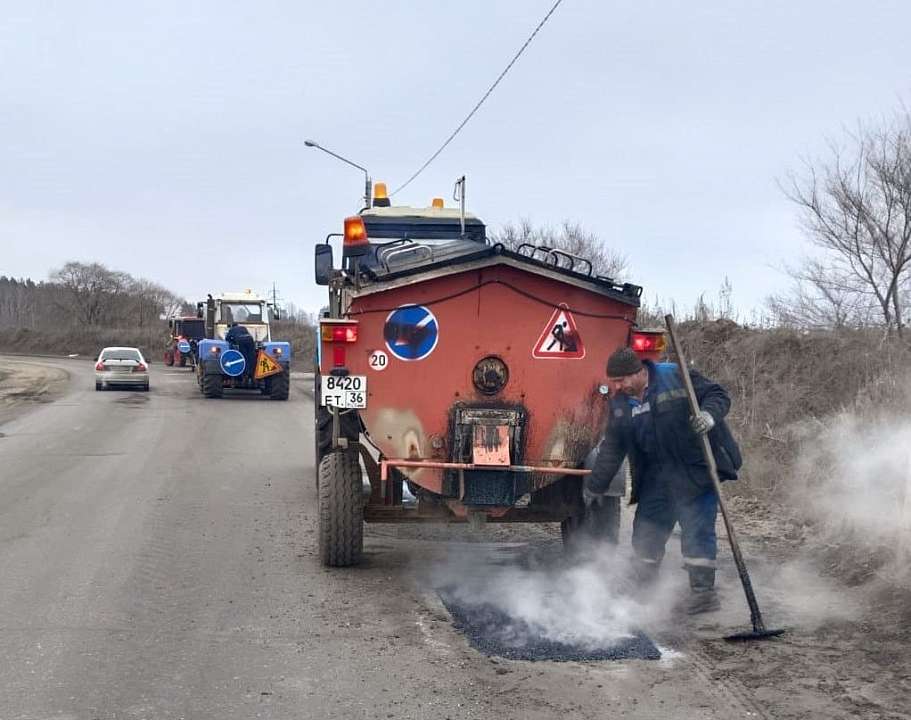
(368,190)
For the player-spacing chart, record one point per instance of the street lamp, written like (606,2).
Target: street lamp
(368,191)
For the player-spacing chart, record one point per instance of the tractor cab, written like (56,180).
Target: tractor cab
(245,309)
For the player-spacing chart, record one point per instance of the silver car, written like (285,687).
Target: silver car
(121,367)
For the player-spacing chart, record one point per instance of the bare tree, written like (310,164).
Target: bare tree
(857,209)
(90,289)
(569,237)
(823,297)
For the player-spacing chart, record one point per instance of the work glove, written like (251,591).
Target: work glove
(589,497)
(702,422)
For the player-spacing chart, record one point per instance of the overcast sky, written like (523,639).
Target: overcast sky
(165,139)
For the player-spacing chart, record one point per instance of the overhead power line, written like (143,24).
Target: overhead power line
(481,101)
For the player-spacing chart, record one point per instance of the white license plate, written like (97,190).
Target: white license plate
(344,391)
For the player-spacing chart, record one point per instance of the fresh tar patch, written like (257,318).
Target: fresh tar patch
(493,632)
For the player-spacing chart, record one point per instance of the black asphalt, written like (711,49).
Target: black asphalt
(493,632)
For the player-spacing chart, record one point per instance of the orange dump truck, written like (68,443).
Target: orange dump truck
(470,373)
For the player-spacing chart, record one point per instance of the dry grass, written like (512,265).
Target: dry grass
(784,384)
(84,341)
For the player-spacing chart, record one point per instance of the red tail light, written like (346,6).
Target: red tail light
(100,366)
(648,342)
(340,333)
(140,368)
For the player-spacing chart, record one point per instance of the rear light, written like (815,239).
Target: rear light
(100,366)
(276,351)
(647,342)
(140,368)
(355,231)
(346,333)
(215,349)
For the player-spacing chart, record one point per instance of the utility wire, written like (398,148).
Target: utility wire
(480,102)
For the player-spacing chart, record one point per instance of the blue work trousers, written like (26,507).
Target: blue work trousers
(660,508)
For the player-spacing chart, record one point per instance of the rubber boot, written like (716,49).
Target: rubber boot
(644,575)
(703,597)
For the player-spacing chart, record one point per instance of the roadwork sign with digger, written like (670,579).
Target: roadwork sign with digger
(560,339)
(265,366)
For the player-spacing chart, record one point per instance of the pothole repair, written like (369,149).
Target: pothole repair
(493,632)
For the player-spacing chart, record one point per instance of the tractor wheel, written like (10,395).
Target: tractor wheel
(169,358)
(183,360)
(279,386)
(212,386)
(599,523)
(341,509)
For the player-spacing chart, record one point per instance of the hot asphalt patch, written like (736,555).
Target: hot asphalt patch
(493,632)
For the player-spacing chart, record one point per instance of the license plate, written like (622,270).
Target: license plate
(344,391)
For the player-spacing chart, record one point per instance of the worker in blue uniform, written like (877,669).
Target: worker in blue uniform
(650,422)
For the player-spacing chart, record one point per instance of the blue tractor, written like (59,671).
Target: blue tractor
(238,351)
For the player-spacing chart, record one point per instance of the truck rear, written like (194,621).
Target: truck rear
(468,372)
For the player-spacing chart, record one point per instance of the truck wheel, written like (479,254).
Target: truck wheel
(598,523)
(169,358)
(280,385)
(341,509)
(212,386)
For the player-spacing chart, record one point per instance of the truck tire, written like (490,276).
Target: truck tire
(597,524)
(341,509)
(280,386)
(212,386)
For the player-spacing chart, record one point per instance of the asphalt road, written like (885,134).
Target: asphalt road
(158,560)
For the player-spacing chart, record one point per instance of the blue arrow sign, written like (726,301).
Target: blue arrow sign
(183,346)
(411,332)
(232,363)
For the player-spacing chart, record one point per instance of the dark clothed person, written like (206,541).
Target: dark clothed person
(650,423)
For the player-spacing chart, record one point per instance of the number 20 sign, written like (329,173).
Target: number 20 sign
(379,360)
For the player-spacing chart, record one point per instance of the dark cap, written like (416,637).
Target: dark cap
(623,362)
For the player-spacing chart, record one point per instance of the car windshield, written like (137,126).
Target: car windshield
(120,354)
(241,313)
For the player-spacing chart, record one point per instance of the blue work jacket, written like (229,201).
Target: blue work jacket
(656,436)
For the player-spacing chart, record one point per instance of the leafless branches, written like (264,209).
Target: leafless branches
(569,237)
(856,209)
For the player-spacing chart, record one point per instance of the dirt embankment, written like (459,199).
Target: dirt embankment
(23,383)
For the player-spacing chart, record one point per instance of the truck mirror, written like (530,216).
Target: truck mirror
(323,264)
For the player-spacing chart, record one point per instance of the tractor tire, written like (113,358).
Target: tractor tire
(169,358)
(341,509)
(183,360)
(598,524)
(280,386)
(212,386)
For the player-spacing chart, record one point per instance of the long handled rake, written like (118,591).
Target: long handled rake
(759,631)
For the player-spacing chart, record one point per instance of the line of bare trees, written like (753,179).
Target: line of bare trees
(86,295)
(855,208)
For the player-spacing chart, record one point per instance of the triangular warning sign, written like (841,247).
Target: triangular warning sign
(265,366)
(560,339)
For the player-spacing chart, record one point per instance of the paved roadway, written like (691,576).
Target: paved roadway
(158,560)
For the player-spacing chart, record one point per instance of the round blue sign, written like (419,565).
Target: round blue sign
(411,332)
(233,363)
(183,346)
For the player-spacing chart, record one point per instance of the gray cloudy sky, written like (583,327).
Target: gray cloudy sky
(166,139)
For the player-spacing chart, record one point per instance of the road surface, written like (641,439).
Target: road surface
(158,560)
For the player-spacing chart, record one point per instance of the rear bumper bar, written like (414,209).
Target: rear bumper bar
(543,469)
